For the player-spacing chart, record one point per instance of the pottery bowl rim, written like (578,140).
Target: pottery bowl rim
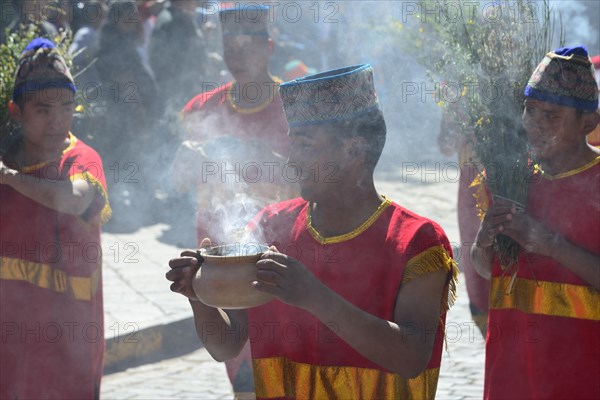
(214,253)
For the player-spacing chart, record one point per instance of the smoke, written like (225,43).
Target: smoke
(581,21)
(232,177)
(324,35)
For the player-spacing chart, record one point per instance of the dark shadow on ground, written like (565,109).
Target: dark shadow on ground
(150,345)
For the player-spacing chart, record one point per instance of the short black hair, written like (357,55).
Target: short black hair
(20,101)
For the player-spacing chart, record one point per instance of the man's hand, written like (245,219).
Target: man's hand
(494,222)
(534,237)
(530,234)
(182,273)
(503,217)
(482,253)
(287,279)
(218,340)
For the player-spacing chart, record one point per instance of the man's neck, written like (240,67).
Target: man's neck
(571,161)
(343,214)
(252,91)
(33,154)
(263,77)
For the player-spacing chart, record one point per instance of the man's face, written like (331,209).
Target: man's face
(319,159)
(551,129)
(245,54)
(46,117)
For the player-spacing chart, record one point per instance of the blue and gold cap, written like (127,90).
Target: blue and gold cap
(40,67)
(245,19)
(329,97)
(565,77)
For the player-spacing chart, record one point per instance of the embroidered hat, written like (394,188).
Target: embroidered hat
(328,97)
(40,67)
(245,19)
(565,77)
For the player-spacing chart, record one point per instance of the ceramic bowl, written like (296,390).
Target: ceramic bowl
(225,277)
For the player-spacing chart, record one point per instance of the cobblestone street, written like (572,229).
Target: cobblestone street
(198,376)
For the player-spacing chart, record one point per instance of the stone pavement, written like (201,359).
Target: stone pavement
(152,349)
(198,376)
(193,376)
(141,315)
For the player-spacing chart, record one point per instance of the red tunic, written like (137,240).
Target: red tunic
(297,356)
(544,335)
(266,124)
(51,287)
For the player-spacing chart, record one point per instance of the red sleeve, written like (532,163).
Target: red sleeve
(414,234)
(424,247)
(83,162)
(201,100)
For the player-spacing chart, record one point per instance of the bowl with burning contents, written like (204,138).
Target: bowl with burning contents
(225,277)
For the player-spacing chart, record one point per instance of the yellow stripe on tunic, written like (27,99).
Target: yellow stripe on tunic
(47,277)
(545,298)
(279,377)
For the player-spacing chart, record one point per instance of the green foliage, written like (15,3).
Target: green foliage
(9,58)
(484,58)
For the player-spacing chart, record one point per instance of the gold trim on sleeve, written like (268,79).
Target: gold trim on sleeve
(106,212)
(431,260)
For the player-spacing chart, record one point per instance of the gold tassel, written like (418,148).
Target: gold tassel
(106,212)
(432,260)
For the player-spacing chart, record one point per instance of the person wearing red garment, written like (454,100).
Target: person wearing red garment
(361,284)
(543,339)
(240,122)
(53,201)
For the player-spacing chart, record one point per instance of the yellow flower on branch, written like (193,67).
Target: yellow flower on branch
(398,25)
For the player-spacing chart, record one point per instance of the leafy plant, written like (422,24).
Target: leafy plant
(9,58)
(484,59)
